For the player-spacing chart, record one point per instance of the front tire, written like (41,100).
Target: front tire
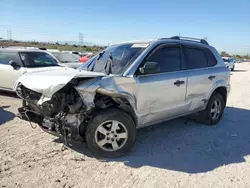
(111,133)
(214,110)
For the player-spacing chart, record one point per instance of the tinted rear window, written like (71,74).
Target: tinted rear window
(195,58)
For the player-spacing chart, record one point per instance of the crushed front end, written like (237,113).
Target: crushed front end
(62,115)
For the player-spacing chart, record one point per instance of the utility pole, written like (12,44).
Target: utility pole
(80,39)
(9,35)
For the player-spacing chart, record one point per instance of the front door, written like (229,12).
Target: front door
(161,94)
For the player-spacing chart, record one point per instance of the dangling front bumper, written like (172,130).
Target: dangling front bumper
(50,125)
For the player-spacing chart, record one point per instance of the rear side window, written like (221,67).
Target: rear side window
(6,57)
(195,58)
(211,60)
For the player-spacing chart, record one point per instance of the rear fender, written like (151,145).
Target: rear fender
(218,84)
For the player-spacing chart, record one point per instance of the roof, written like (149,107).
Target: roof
(20,50)
(135,42)
(187,42)
(175,39)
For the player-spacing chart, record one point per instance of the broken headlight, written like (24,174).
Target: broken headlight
(27,94)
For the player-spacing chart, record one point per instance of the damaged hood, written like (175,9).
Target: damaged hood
(49,82)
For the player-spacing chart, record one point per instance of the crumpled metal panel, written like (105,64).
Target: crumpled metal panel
(125,87)
(49,82)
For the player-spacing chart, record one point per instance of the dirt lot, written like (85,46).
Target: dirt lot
(179,153)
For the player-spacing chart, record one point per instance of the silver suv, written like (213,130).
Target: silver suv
(126,87)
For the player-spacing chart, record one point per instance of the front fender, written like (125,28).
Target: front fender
(115,87)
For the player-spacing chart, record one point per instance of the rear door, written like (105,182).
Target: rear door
(9,75)
(201,73)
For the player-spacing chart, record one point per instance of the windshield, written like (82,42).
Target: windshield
(77,56)
(37,59)
(121,55)
(85,65)
(65,57)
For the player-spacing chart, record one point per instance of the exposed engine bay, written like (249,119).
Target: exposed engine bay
(61,115)
(68,111)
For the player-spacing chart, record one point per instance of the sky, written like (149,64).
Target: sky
(226,23)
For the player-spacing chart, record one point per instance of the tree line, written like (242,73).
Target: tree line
(236,56)
(75,47)
(58,46)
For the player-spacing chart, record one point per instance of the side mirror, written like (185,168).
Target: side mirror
(14,64)
(150,67)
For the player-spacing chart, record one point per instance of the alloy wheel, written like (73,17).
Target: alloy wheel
(111,135)
(216,109)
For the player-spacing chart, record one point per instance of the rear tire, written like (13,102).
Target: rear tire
(111,133)
(213,113)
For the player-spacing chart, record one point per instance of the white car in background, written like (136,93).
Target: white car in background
(14,62)
(229,62)
(66,59)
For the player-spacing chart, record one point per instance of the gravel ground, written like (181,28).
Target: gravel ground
(178,153)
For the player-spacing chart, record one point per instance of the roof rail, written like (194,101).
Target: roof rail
(26,47)
(203,41)
(42,48)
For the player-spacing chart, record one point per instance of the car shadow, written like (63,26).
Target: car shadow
(186,146)
(5,115)
(9,94)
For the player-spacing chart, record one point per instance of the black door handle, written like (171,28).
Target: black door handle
(179,82)
(211,77)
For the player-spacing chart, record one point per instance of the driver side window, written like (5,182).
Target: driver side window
(168,59)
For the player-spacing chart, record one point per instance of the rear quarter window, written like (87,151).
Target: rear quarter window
(211,60)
